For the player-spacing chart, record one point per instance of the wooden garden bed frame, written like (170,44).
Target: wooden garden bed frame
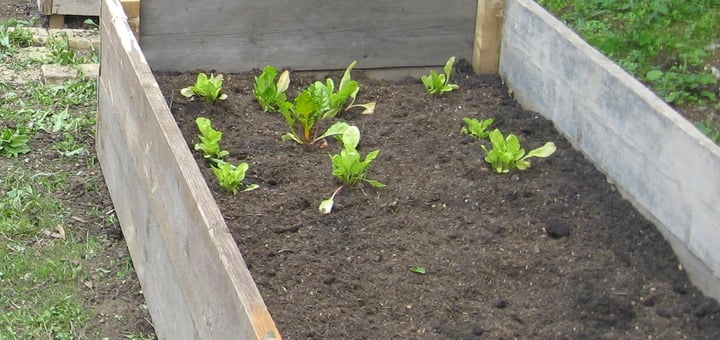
(194,278)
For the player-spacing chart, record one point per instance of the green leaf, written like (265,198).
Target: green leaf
(543,151)
(654,75)
(417,270)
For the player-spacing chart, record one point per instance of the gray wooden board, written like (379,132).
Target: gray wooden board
(140,229)
(194,278)
(69,7)
(664,165)
(232,36)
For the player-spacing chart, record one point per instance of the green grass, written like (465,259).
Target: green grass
(45,254)
(663,43)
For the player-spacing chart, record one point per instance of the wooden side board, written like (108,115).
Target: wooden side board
(239,35)
(194,279)
(69,7)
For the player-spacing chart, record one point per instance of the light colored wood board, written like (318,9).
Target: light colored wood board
(140,229)
(662,163)
(231,35)
(488,28)
(216,286)
(45,6)
(56,21)
(132,11)
(70,7)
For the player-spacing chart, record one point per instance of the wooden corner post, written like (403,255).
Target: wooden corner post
(488,31)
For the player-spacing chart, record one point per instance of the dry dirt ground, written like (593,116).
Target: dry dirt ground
(552,252)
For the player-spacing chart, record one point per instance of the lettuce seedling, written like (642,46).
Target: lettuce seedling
(231,177)
(477,128)
(14,142)
(506,153)
(320,101)
(208,88)
(438,84)
(348,167)
(271,94)
(209,141)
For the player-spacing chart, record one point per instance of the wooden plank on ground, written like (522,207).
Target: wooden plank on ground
(195,281)
(232,35)
(488,31)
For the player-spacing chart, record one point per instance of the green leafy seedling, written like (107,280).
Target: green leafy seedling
(477,128)
(270,94)
(417,270)
(231,177)
(209,141)
(348,166)
(208,88)
(438,84)
(14,142)
(506,153)
(320,101)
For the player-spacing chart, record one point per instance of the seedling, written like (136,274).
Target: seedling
(506,153)
(438,84)
(14,142)
(231,177)
(270,94)
(209,141)
(348,167)
(208,88)
(477,128)
(320,101)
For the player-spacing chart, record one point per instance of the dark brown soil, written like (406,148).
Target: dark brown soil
(493,270)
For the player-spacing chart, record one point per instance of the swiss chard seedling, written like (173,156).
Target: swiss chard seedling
(208,88)
(209,141)
(438,84)
(320,101)
(270,94)
(506,153)
(349,167)
(231,177)
(477,128)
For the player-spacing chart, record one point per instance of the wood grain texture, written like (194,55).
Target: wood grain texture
(488,31)
(231,35)
(69,7)
(195,281)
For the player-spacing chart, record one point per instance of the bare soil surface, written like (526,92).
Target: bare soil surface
(550,252)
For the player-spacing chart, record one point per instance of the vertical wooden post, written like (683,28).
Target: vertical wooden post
(488,30)
(132,11)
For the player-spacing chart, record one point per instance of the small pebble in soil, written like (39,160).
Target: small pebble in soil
(557,228)
(500,304)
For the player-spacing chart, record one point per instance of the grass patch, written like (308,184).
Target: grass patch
(667,44)
(52,244)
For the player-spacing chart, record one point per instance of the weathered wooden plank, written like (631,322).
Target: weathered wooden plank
(69,7)
(488,28)
(193,276)
(231,35)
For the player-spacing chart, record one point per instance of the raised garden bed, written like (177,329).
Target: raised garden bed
(497,261)
(196,282)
